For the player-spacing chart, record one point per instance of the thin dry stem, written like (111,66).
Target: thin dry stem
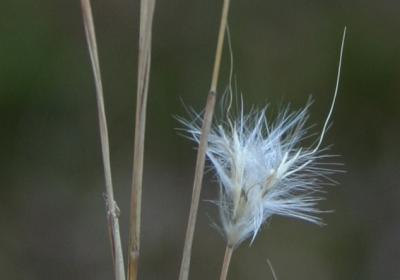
(112,208)
(272,270)
(201,153)
(145,34)
(226,263)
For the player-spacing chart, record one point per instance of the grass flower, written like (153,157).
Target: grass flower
(263,168)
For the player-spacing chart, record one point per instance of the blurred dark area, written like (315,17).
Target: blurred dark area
(52,212)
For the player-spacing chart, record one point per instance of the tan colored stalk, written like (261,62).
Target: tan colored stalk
(112,208)
(145,34)
(201,153)
(226,263)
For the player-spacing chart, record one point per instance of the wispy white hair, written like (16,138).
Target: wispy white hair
(263,168)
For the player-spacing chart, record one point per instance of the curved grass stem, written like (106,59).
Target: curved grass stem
(112,208)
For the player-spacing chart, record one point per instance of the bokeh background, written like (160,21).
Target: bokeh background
(52,214)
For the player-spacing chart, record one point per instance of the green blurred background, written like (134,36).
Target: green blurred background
(52,214)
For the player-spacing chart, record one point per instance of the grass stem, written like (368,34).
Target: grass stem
(112,208)
(226,263)
(144,61)
(201,153)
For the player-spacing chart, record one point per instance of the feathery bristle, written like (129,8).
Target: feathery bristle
(262,170)
(262,167)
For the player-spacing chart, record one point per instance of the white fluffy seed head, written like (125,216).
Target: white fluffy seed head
(262,170)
